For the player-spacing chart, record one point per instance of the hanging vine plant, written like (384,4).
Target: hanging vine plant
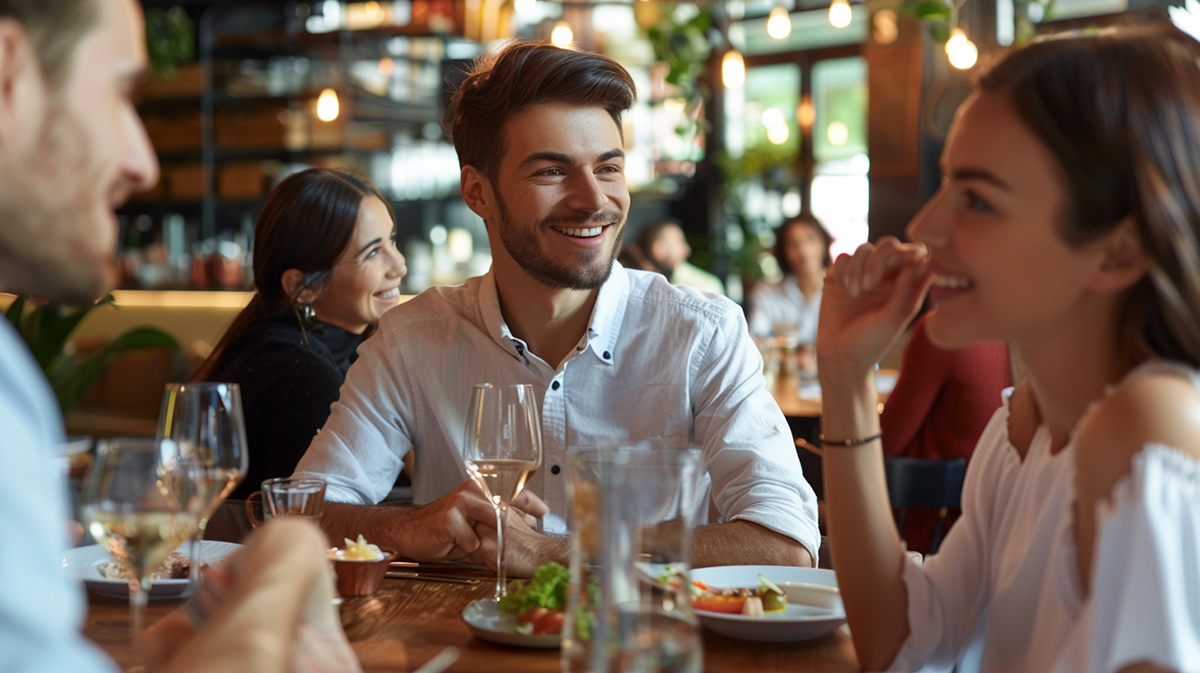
(170,40)
(940,16)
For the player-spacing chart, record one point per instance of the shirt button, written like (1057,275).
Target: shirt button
(607,355)
(554,386)
(554,469)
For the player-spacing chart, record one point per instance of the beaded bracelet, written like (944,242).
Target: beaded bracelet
(848,443)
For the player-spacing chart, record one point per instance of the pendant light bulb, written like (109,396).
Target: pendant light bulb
(327,105)
(840,14)
(962,51)
(562,35)
(779,23)
(733,69)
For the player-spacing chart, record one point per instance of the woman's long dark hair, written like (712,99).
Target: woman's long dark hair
(1121,112)
(306,224)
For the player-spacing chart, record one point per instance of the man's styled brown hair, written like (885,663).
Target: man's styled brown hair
(522,75)
(55,28)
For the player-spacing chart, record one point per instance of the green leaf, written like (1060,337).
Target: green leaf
(932,10)
(939,31)
(71,385)
(15,310)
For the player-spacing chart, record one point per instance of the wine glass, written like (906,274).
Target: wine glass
(201,426)
(132,506)
(504,447)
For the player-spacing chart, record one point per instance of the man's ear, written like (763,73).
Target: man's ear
(18,71)
(477,192)
(1124,261)
(291,281)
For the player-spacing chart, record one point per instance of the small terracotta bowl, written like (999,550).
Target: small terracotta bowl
(361,578)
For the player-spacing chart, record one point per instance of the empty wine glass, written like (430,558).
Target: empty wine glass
(133,506)
(201,425)
(504,447)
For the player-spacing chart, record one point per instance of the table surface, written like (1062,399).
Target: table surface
(804,400)
(408,622)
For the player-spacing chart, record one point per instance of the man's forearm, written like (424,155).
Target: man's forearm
(746,543)
(379,525)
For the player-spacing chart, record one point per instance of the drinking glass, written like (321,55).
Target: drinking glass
(302,494)
(201,425)
(504,447)
(134,505)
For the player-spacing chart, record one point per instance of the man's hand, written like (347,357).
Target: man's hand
(442,530)
(524,547)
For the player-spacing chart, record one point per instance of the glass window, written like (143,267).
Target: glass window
(810,30)
(840,187)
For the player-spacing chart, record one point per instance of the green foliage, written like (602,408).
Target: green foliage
(940,16)
(170,39)
(685,45)
(47,329)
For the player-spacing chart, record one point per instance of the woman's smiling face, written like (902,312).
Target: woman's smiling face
(366,278)
(1001,269)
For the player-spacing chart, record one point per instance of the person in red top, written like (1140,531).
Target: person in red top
(941,403)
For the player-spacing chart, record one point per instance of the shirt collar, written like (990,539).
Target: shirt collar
(603,327)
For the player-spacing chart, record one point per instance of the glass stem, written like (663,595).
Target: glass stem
(194,558)
(501,584)
(139,593)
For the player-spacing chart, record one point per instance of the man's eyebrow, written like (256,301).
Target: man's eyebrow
(980,174)
(560,158)
(363,249)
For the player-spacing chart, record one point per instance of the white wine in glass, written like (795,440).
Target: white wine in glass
(130,506)
(504,447)
(201,426)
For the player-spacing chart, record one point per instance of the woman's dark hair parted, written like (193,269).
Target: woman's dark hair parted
(1127,135)
(306,224)
(803,219)
(524,74)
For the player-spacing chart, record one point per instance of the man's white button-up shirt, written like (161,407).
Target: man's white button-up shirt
(657,361)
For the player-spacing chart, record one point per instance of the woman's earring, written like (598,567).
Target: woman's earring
(307,314)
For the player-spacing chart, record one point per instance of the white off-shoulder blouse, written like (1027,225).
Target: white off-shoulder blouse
(1003,592)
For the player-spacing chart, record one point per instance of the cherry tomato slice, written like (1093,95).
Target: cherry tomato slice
(726,604)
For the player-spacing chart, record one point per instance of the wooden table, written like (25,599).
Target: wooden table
(408,622)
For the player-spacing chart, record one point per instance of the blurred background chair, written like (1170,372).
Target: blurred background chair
(921,484)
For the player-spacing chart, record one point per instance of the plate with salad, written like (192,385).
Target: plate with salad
(531,615)
(772,603)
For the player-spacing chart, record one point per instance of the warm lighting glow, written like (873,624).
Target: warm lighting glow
(733,69)
(387,66)
(887,26)
(962,52)
(779,24)
(837,133)
(806,114)
(839,14)
(778,135)
(524,6)
(562,35)
(674,106)
(327,105)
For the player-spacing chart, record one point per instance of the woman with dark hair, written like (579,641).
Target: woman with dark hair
(326,268)
(1066,225)
(790,307)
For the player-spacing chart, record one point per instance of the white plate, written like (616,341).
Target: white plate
(83,563)
(488,623)
(814,608)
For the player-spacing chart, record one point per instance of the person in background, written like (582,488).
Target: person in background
(667,249)
(326,268)
(939,408)
(1066,225)
(72,149)
(613,355)
(790,307)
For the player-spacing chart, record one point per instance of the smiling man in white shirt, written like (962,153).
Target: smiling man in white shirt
(613,355)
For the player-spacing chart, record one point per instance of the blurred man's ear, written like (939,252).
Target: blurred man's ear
(17,64)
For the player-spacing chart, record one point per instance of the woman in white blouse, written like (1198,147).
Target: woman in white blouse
(790,307)
(1067,225)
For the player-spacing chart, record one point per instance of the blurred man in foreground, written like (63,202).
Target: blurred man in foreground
(72,149)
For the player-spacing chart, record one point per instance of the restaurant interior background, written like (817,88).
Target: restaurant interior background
(749,111)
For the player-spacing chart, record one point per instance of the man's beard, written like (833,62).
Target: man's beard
(524,246)
(48,242)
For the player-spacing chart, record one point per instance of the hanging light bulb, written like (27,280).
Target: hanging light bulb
(962,52)
(806,114)
(562,35)
(327,105)
(525,7)
(779,23)
(840,14)
(733,69)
